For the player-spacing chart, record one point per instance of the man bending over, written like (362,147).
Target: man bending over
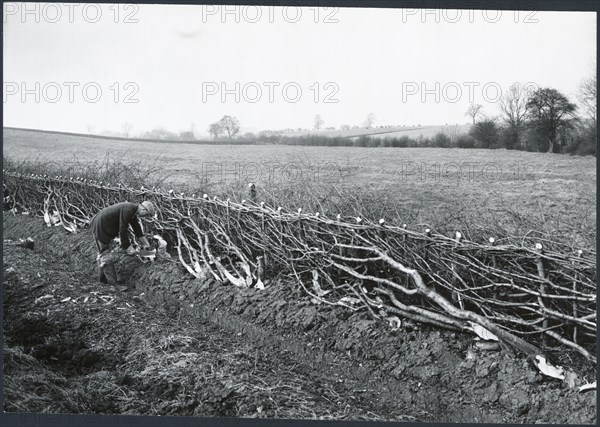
(114,221)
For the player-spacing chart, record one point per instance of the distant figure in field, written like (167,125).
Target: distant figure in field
(252,191)
(114,221)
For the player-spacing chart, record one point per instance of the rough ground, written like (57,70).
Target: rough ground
(176,346)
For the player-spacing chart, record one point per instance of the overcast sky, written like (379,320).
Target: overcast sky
(285,65)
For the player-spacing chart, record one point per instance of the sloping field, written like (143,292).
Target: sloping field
(494,190)
(426,131)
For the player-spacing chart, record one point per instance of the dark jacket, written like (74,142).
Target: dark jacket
(114,221)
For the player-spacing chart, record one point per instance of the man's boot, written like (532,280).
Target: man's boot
(110,273)
(101,275)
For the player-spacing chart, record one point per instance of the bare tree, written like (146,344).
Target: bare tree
(473,111)
(318,122)
(513,106)
(452,132)
(90,128)
(230,124)
(369,120)
(126,129)
(587,95)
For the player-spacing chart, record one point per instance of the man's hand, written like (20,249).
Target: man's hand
(143,241)
(131,250)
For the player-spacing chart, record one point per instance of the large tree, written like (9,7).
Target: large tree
(231,125)
(587,96)
(215,130)
(513,106)
(549,111)
(227,124)
(586,134)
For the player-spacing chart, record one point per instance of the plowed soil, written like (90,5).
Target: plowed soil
(172,345)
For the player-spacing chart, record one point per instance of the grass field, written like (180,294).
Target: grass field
(497,190)
(172,344)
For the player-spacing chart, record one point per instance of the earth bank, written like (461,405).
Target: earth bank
(174,345)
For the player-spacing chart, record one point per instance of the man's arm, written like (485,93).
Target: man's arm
(138,232)
(144,241)
(137,228)
(125,218)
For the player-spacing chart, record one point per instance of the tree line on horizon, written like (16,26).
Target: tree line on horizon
(540,120)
